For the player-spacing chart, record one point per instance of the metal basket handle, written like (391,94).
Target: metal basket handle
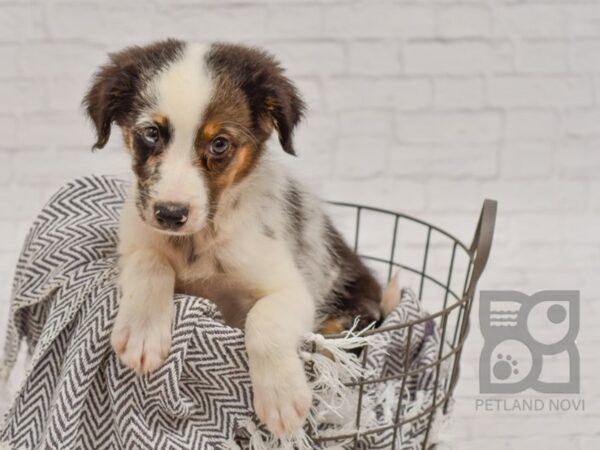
(480,252)
(482,243)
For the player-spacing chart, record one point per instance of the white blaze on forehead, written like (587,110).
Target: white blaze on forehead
(184,89)
(182,92)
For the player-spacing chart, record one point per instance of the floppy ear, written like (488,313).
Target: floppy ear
(110,97)
(284,107)
(273,98)
(117,86)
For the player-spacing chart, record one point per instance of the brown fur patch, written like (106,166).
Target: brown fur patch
(356,293)
(238,168)
(211,130)
(161,120)
(332,326)
(270,103)
(128,138)
(227,115)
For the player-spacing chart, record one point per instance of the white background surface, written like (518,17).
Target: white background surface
(422,106)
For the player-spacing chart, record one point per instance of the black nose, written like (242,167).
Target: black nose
(170,215)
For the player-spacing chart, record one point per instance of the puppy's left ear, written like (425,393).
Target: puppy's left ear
(272,97)
(284,107)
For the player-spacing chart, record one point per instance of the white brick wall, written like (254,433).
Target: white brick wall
(419,105)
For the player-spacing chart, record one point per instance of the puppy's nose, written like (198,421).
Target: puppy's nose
(170,215)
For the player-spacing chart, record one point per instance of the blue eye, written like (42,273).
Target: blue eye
(151,134)
(219,146)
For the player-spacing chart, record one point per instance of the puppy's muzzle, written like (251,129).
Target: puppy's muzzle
(171,215)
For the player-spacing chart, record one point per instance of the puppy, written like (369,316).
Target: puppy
(210,214)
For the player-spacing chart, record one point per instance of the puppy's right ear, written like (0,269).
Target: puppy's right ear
(116,87)
(110,96)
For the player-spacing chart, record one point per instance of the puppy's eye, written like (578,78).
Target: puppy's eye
(219,146)
(151,135)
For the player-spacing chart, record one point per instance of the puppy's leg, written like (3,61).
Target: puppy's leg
(274,328)
(142,331)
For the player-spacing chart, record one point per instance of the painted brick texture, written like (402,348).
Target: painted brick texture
(422,106)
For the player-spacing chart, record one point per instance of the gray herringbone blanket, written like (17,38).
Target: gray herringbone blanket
(76,394)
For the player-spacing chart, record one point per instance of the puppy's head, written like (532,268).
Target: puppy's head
(195,119)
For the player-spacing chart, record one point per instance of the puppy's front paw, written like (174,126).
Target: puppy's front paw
(141,335)
(282,397)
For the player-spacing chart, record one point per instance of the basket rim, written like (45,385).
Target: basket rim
(359,206)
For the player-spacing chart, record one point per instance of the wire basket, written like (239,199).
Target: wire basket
(444,272)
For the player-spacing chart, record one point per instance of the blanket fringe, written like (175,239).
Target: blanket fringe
(331,366)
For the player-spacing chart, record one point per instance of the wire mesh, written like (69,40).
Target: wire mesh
(455,282)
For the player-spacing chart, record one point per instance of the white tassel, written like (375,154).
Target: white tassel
(230,444)
(440,433)
(263,440)
(4,373)
(258,438)
(332,366)
(337,348)
(335,403)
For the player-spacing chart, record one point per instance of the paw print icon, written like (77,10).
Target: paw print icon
(529,342)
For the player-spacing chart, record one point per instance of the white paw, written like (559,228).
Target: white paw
(141,336)
(282,397)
